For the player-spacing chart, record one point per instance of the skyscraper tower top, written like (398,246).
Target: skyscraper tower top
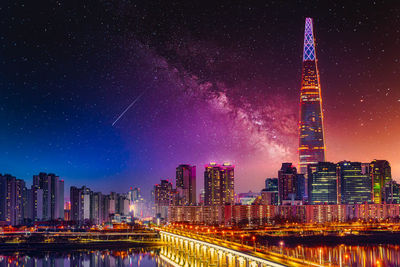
(311,132)
(309,44)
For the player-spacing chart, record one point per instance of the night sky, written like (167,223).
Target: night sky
(214,82)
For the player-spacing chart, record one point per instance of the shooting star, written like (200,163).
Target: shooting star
(131,104)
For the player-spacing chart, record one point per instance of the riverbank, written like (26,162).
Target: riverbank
(64,246)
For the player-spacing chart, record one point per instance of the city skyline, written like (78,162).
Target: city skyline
(189,133)
(235,86)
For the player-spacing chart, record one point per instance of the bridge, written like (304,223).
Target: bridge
(187,249)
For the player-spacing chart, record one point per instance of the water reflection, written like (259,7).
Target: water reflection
(366,256)
(342,255)
(96,258)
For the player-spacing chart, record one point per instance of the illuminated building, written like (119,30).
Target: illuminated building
(134,195)
(300,187)
(271,184)
(256,214)
(186,184)
(53,195)
(20,200)
(270,194)
(96,214)
(7,199)
(202,196)
(34,210)
(227,183)
(87,195)
(354,184)
(138,206)
(290,184)
(212,184)
(67,211)
(80,203)
(322,183)
(325,213)
(219,184)
(380,173)
(392,193)
(122,205)
(162,198)
(247,198)
(311,145)
(12,199)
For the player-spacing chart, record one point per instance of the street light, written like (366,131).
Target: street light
(242,236)
(281,244)
(254,242)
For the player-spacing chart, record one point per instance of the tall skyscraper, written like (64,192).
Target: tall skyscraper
(186,184)
(311,145)
(381,174)
(322,183)
(219,184)
(354,184)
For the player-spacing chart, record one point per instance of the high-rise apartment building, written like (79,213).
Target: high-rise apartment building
(311,145)
(7,199)
(270,194)
(53,195)
(290,184)
(163,198)
(96,203)
(76,198)
(392,193)
(186,184)
(381,174)
(227,183)
(219,184)
(139,207)
(212,184)
(354,183)
(271,184)
(67,211)
(34,211)
(322,183)
(20,201)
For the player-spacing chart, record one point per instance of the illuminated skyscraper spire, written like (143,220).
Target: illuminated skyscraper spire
(309,45)
(311,145)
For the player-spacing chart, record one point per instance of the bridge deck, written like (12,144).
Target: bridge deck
(262,256)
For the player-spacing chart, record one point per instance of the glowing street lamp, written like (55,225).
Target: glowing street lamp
(242,236)
(281,244)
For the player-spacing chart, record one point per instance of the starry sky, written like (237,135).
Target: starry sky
(212,82)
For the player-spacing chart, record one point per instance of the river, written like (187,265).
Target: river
(340,255)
